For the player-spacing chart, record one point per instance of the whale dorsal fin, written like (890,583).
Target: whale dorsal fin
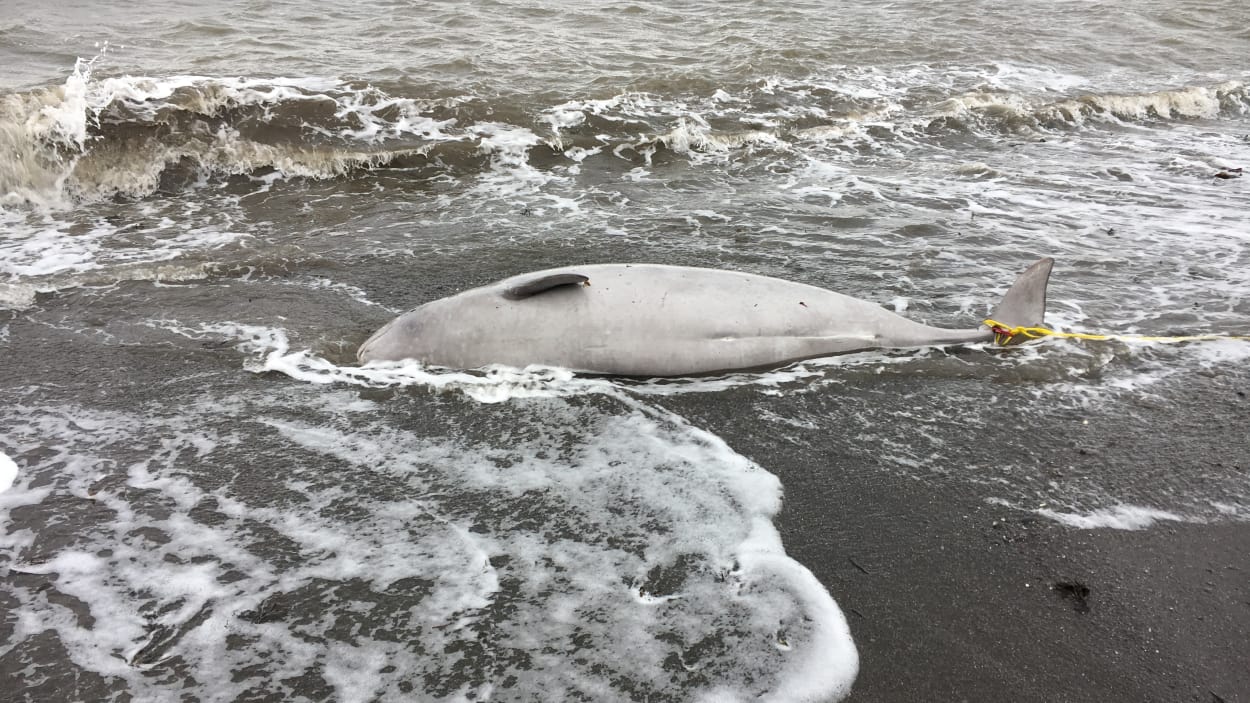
(1025,302)
(541,284)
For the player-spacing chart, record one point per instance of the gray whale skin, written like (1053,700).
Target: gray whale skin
(656,320)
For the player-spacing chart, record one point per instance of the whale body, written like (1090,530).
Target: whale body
(658,320)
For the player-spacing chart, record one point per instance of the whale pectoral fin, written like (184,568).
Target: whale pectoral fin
(542,284)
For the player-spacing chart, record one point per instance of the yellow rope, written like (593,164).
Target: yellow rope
(1003,334)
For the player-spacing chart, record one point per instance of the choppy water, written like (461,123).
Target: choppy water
(203,210)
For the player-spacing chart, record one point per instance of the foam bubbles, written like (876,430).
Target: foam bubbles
(93,139)
(270,349)
(560,548)
(8,472)
(1117,517)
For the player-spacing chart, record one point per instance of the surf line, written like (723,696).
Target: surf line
(1005,334)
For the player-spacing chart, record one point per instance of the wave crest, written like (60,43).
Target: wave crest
(92,139)
(89,139)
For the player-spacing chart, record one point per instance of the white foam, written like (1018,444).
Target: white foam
(1116,517)
(511,176)
(822,672)
(1231,510)
(1221,352)
(1194,101)
(17,296)
(45,252)
(570,541)
(355,674)
(58,164)
(269,349)
(1024,77)
(8,472)
(692,136)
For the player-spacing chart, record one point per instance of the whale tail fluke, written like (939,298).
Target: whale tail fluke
(1024,305)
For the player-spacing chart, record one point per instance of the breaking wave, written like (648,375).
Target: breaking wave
(92,139)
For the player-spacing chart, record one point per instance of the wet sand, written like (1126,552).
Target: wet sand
(950,598)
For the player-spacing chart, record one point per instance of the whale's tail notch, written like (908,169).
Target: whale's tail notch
(1024,305)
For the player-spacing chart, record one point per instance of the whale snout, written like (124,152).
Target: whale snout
(374,347)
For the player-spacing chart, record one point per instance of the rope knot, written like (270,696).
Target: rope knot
(1002,333)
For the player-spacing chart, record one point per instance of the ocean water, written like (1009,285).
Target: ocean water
(204,209)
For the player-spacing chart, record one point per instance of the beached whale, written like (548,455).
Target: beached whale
(655,320)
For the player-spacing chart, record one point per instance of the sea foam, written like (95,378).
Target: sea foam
(8,472)
(595,545)
(1119,517)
